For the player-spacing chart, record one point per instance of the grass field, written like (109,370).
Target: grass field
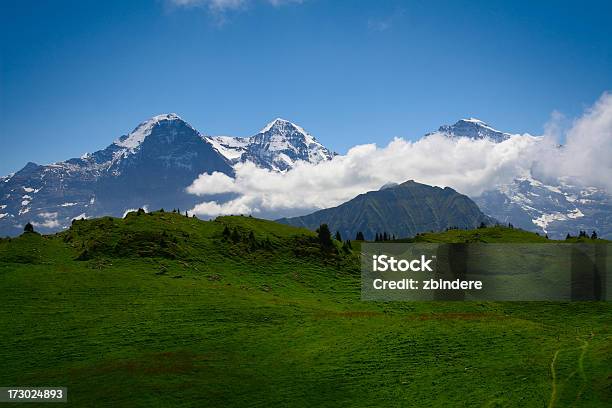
(163,310)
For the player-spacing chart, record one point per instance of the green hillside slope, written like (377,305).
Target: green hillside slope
(164,310)
(402,210)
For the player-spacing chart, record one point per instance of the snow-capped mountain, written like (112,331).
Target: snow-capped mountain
(534,205)
(278,146)
(474,129)
(555,210)
(151,166)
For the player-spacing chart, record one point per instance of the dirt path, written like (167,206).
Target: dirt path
(553,372)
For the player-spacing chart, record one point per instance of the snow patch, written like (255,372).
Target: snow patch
(576,213)
(546,219)
(138,135)
(232,148)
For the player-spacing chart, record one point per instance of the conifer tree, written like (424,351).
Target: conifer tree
(226,232)
(338,236)
(325,237)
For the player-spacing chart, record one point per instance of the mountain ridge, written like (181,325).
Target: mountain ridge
(150,167)
(153,164)
(403,210)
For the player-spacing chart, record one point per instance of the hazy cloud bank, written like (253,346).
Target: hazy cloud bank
(469,166)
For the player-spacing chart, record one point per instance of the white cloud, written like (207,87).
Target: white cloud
(242,205)
(129,210)
(469,166)
(49,220)
(586,155)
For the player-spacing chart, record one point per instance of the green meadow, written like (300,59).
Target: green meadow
(161,310)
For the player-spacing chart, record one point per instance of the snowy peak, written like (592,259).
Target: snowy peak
(283,127)
(474,129)
(278,146)
(281,134)
(134,139)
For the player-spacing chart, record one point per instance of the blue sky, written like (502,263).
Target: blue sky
(75,75)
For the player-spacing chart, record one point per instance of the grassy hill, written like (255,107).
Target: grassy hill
(401,210)
(164,310)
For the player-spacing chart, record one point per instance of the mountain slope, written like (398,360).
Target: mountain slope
(535,205)
(474,129)
(549,209)
(278,146)
(151,166)
(403,210)
(223,324)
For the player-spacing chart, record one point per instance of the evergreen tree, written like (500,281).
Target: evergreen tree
(594,235)
(28,228)
(226,232)
(325,238)
(338,236)
(360,236)
(235,235)
(252,240)
(568,236)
